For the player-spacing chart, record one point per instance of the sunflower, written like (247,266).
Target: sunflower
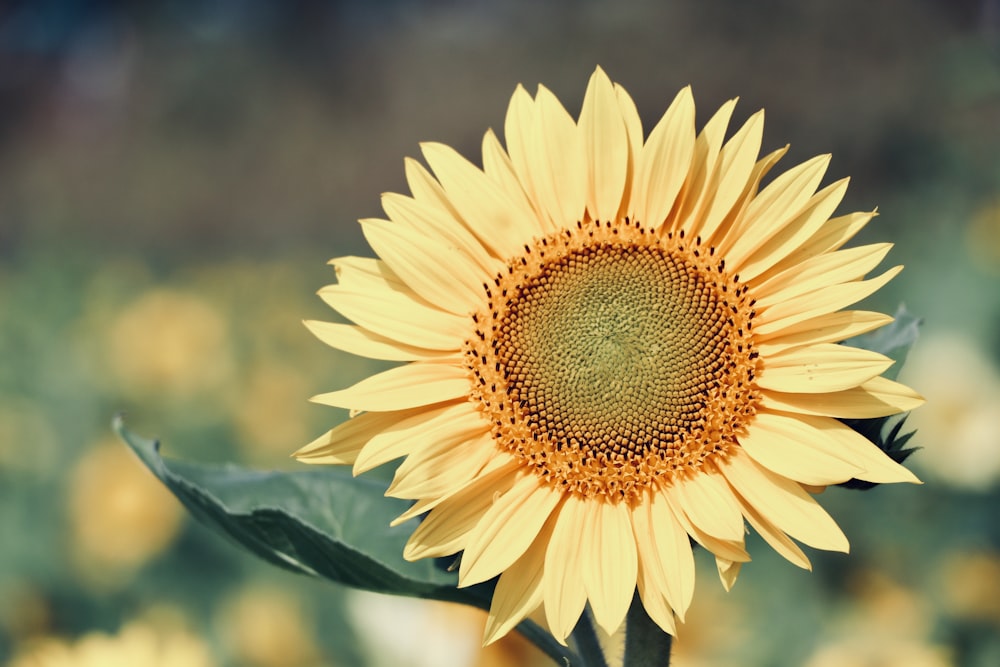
(614,345)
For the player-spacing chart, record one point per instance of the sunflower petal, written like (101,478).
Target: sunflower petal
(778,540)
(491,214)
(558,163)
(775,207)
(564,597)
(708,502)
(664,162)
(877,397)
(519,589)
(506,530)
(440,273)
(795,449)
(435,221)
(820,369)
(410,386)
(450,423)
(783,503)
(782,316)
(664,553)
(343,443)
(828,328)
(605,141)
(399,317)
(358,340)
(736,162)
(816,272)
(610,563)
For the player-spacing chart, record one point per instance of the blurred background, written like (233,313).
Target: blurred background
(175,174)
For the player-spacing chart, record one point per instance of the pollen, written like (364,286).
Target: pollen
(610,359)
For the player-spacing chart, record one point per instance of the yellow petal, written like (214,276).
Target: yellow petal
(773,208)
(786,314)
(427,191)
(664,162)
(778,540)
(707,147)
(451,423)
(445,530)
(606,145)
(367,273)
(731,549)
(439,272)
(736,162)
(490,213)
(498,166)
(633,123)
(816,211)
(709,503)
(399,316)
(876,465)
(820,369)
(440,466)
(831,236)
(437,222)
(519,132)
(507,529)
(415,384)
(728,571)
(783,503)
(564,597)
(796,449)
(358,340)
(519,590)
(609,563)
(819,271)
(500,467)
(828,328)
(655,603)
(878,397)
(342,443)
(664,552)
(558,162)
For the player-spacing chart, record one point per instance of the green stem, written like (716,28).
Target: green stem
(646,645)
(585,637)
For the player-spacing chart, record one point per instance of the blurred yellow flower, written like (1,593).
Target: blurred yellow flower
(265,626)
(888,627)
(120,514)
(136,645)
(616,343)
(169,342)
(270,414)
(983,237)
(970,583)
(960,426)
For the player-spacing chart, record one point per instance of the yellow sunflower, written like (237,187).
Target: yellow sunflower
(614,343)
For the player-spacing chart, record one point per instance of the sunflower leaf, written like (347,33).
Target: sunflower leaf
(316,522)
(894,340)
(320,522)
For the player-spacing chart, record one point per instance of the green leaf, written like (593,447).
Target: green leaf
(894,340)
(320,522)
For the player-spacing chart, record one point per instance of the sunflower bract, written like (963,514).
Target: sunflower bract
(614,343)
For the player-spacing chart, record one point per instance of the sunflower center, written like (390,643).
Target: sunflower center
(611,359)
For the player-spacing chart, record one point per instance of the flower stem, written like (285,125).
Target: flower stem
(587,644)
(646,645)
